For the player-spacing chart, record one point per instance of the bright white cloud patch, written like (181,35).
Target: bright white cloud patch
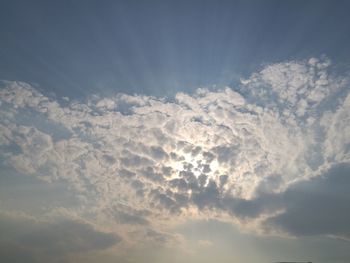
(135,160)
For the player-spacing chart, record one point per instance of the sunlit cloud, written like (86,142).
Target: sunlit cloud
(256,156)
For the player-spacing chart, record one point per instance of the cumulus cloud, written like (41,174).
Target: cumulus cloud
(226,150)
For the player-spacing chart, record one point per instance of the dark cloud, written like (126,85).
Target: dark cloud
(108,159)
(157,237)
(195,151)
(139,187)
(126,174)
(319,206)
(190,178)
(134,160)
(68,237)
(223,180)
(15,253)
(158,153)
(164,200)
(25,240)
(167,171)
(270,183)
(226,154)
(137,184)
(208,196)
(243,208)
(202,180)
(179,183)
(134,218)
(149,174)
(181,199)
(208,156)
(206,168)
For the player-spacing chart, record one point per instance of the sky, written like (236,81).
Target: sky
(174,131)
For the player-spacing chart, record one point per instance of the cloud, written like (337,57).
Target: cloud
(68,237)
(40,240)
(317,207)
(226,151)
(15,253)
(132,218)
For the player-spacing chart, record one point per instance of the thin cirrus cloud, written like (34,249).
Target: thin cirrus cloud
(255,155)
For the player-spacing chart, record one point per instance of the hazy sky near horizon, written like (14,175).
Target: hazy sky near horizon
(174,131)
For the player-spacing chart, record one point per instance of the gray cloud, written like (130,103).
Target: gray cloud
(68,237)
(207,196)
(149,174)
(126,174)
(319,206)
(132,218)
(158,153)
(11,252)
(179,183)
(163,200)
(42,241)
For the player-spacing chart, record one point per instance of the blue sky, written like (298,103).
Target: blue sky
(174,131)
(160,47)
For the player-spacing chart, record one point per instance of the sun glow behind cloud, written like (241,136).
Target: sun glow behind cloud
(140,165)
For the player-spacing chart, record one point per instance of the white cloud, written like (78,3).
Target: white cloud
(285,123)
(337,128)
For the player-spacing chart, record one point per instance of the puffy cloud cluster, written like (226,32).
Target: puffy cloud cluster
(138,159)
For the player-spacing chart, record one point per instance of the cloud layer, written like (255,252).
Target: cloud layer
(234,153)
(29,240)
